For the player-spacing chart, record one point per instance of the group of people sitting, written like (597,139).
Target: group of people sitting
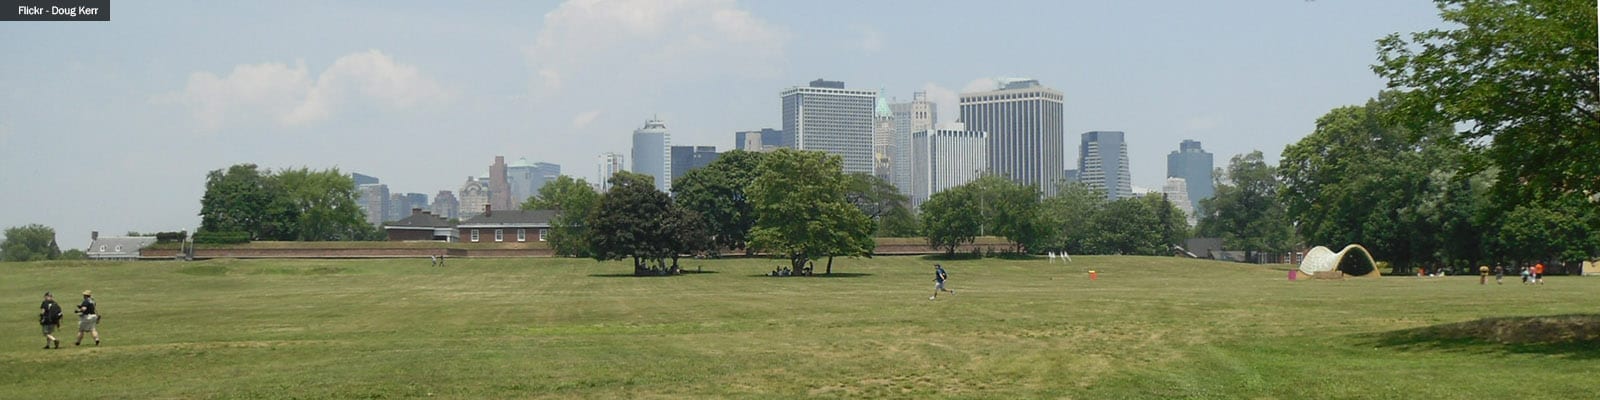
(786,271)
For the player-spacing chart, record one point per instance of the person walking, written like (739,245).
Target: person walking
(939,276)
(1483,274)
(87,319)
(1499,274)
(1538,273)
(50,320)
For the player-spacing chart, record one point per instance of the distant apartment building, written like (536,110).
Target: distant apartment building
(766,139)
(474,194)
(400,205)
(363,179)
(609,164)
(946,158)
(543,173)
(652,153)
(1024,120)
(374,201)
(445,205)
(1194,165)
(520,176)
(687,158)
(499,185)
(917,115)
(1177,192)
(826,117)
(1103,163)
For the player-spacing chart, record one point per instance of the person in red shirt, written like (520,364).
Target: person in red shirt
(1538,273)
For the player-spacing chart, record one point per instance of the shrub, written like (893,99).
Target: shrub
(221,237)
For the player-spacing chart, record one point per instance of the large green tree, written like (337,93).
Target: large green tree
(881,202)
(573,200)
(322,205)
(1009,210)
(802,214)
(32,242)
(1132,226)
(718,193)
(1520,74)
(631,223)
(241,198)
(1069,217)
(1245,211)
(950,219)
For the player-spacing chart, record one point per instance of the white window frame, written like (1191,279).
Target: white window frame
(522,234)
(499,235)
(544,234)
(474,235)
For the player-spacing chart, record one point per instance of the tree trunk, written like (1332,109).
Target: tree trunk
(830,266)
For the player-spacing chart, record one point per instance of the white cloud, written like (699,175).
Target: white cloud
(980,85)
(871,40)
(945,101)
(583,119)
(652,40)
(288,95)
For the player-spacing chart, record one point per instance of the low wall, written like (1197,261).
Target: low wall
(891,246)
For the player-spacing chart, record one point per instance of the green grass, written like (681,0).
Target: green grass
(561,328)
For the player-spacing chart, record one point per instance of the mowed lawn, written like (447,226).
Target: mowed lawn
(561,328)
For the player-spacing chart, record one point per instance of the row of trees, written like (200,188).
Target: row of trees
(791,203)
(291,204)
(1077,220)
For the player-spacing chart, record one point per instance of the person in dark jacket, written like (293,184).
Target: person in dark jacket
(50,320)
(87,319)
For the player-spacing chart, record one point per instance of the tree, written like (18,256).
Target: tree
(73,254)
(322,205)
(1010,210)
(1069,217)
(718,193)
(573,200)
(1520,73)
(240,199)
(801,210)
(1245,210)
(630,222)
(686,233)
(1129,226)
(32,242)
(882,203)
(1561,229)
(950,219)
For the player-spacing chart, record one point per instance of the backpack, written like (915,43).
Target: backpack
(52,315)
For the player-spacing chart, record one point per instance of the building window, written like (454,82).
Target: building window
(102,248)
(499,235)
(522,235)
(118,248)
(474,235)
(544,235)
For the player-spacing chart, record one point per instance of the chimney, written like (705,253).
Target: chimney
(94,235)
(487,211)
(415,210)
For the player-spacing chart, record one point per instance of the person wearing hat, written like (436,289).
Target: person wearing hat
(50,319)
(87,318)
(938,281)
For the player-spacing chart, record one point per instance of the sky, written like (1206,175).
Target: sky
(112,126)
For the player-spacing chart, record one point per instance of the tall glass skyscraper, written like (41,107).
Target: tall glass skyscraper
(1194,165)
(652,153)
(827,117)
(915,116)
(1103,164)
(1025,121)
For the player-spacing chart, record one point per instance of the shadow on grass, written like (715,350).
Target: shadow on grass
(684,272)
(1574,336)
(833,275)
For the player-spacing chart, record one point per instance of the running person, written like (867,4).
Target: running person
(50,320)
(87,319)
(938,281)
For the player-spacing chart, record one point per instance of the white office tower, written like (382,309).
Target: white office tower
(1177,192)
(1024,121)
(652,153)
(826,117)
(610,164)
(882,134)
(912,117)
(946,158)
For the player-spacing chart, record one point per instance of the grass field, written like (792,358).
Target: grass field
(559,328)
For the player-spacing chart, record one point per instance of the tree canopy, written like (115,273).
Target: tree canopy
(1245,210)
(574,201)
(32,242)
(718,193)
(801,209)
(294,204)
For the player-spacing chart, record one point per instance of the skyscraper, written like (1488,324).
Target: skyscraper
(400,205)
(762,140)
(1177,192)
(499,187)
(827,117)
(543,173)
(686,158)
(521,175)
(445,205)
(1024,120)
(882,135)
(946,158)
(610,164)
(363,179)
(915,116)
(1103,163)
(1194,165)
(652,153)
(474,195)
(374,202)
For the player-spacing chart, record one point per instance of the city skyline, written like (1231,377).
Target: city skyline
(187,90)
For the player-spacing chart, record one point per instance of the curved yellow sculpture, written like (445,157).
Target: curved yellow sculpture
(1354,260)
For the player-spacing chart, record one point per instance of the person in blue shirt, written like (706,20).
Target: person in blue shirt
(938,281)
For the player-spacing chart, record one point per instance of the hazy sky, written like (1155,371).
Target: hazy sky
(112,126)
